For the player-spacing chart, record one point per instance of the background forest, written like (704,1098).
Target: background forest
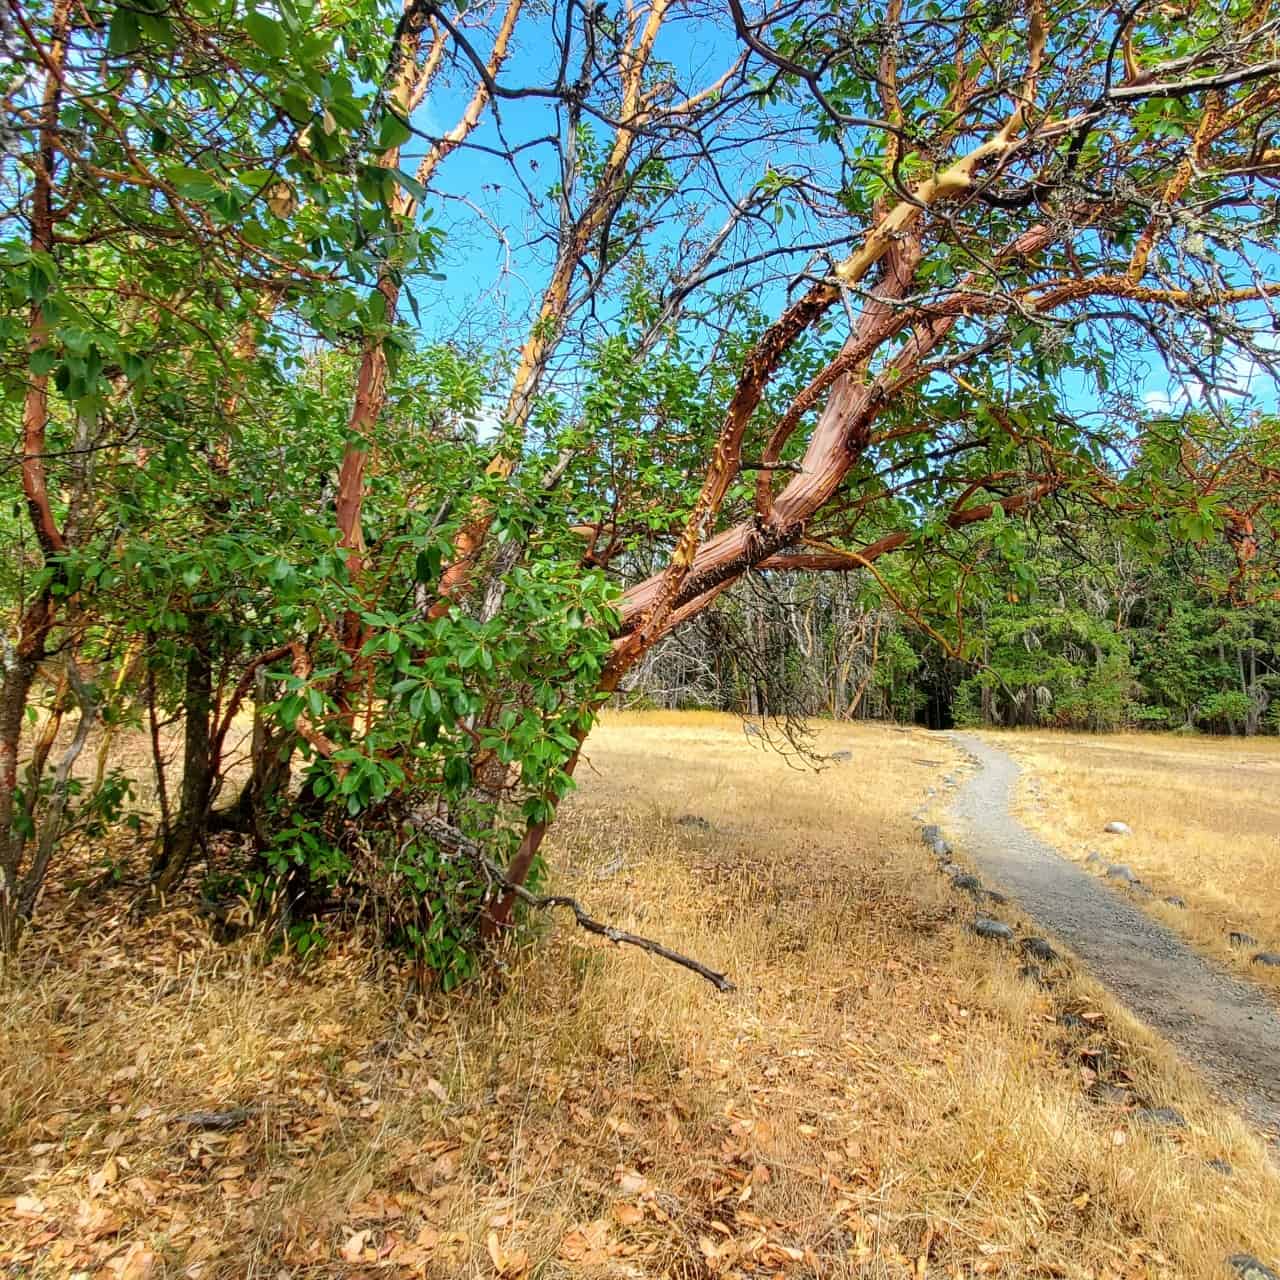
(1102,636)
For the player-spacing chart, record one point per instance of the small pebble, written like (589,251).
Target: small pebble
(1032,973)
(1240,939)
(1093,859)
(970,884)
(1269,958)
(842,757)
(1174,901)
(1119,871)
(1117,829)
(930,833)
(1221,1166)
(994,895)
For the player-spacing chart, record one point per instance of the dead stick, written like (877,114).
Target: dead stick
(453,841)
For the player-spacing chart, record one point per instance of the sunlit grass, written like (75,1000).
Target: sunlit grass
(884,1096)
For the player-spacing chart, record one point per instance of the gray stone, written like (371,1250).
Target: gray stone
(1039,949)
(1247,1267)
(995,930)
(694,821)
(1270,958)
(994,895)
(930,833)
(842,757)
(1033,973)
(970,884)
(1241,939)
(952,869)
(940,848)
(1117,829)
(1174,901)
(1118,871)
(1093,859)
(1221,1166)
(1166,1116)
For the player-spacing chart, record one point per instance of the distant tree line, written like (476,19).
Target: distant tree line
(1099,635)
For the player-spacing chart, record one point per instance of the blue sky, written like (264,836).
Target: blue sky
(495,266)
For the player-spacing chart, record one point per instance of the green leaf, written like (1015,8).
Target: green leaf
(392,131)
(266,33)
(125,33)
(411,185)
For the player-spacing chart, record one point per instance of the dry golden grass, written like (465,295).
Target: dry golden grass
(1205,814)
(884,1096)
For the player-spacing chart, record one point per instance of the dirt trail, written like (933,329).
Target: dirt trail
(1225,1027)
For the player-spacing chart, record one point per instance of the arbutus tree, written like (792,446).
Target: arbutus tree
(1036,212)
(171,177)
(808,290)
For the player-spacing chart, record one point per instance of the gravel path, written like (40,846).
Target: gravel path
(1225,1027)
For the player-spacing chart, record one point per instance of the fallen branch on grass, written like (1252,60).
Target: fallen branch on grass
(453,841)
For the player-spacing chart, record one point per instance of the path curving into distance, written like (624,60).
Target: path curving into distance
(1223,1026)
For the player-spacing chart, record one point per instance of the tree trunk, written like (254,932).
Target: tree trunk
(197,772)
(20,668)
(271,753)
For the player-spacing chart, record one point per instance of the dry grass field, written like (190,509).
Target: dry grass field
(1205,815)
(884,1096)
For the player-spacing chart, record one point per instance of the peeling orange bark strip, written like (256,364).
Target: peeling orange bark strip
(35,407)
(370,392)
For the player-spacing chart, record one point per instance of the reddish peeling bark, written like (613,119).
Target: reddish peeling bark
(371,378)
(39,618)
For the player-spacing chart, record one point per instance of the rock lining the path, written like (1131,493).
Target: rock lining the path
(993,930)
(1269,958)
(1239,938)
(1165,1117)
(1039,949)
(1247,1267)
(1118,829)
(1222,1024)
(1118,871)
